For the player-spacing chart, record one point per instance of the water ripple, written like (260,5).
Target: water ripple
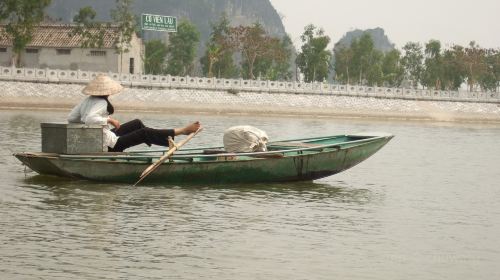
(428,200)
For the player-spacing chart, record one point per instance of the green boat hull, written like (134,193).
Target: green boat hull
(326,159)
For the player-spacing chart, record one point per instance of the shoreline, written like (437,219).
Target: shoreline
(265,112)
(16,95)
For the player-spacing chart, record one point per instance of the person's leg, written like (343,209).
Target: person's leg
(150,136)
(129,127)
(144,135)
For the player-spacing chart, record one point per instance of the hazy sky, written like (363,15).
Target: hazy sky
(450,21)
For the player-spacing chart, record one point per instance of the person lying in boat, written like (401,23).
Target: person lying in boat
(96,109)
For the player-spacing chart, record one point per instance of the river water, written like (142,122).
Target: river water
(426,206)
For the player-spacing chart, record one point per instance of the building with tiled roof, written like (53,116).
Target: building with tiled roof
(53,46)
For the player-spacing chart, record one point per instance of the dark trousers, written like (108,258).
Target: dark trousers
(135,132)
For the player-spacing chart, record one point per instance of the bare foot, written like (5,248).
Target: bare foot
(191,128)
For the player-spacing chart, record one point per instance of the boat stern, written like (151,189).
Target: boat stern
(40,163)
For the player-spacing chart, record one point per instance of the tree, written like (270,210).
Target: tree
(181,50)
(4,11)
(475,64)
(367,61)
(212,56)
(412,62)
(154,62)
(22,17)
(124,19)
(490,81)
(254,44)
(277,66)
(281,69)
(314,59)
(219,53)
(374,71)
(432,75)
(343,61)
(393,72)
(453,73)
(92,32)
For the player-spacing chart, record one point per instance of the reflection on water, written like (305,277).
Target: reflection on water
(425,205)
(64,189)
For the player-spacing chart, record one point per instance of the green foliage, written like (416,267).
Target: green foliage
(261,54)
(374,74)
(343,61)
(254,44)
(448,69)
(274,68)
(482,67)
(393,71)
(476,67)
(366,62)
(314,59)
(440,69)
(85,15)
(453,68)
(125,21)
(181,50)
(412,62)
(490,79)
(22,17)
(433,71)
(281,69)
(218,56)
(138,28)
(92,32)
(4,11)
(154,62)
(363,64)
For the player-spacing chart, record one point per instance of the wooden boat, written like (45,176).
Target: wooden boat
(292,160)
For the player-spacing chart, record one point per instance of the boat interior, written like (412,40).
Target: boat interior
(276,149)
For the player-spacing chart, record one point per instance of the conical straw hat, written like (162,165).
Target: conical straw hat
(102,85)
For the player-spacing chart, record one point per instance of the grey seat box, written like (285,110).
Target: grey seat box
(71,138)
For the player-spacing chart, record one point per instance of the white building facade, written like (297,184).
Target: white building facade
(54,47)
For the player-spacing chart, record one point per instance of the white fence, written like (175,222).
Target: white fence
(240,85)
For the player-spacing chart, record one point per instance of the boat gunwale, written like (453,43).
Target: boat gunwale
(269,144)
(198,155)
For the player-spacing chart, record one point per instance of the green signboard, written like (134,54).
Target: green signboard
(159,23)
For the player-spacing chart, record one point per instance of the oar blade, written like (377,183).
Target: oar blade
(169,153)
(147,170)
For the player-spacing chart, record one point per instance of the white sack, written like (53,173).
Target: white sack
(245,139)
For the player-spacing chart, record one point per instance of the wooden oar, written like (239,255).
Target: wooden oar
(169,153)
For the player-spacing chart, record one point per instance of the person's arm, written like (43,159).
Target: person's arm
(114,122)
(97,114)
(74,116)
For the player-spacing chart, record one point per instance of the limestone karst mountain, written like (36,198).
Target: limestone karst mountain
(200,12)
(380,39)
